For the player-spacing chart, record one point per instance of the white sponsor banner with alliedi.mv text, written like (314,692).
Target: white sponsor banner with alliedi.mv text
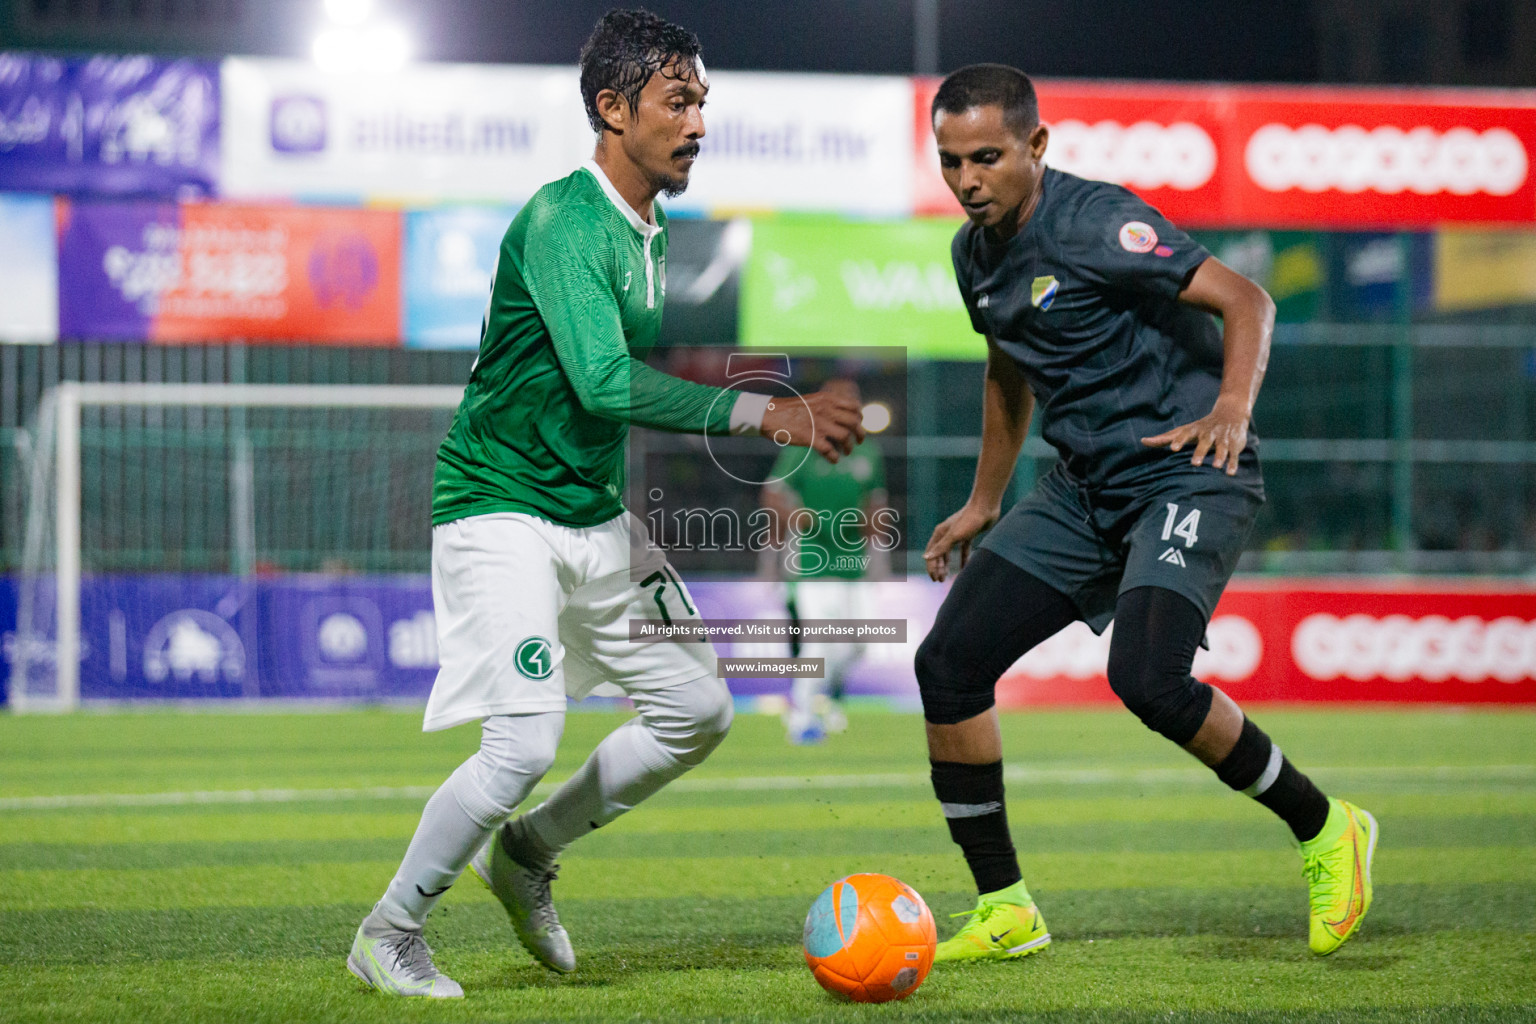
(429,132)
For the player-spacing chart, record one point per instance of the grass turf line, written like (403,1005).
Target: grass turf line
(1169,896)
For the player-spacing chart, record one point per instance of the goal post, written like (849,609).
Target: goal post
(213,425)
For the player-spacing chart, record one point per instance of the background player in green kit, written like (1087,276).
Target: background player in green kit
(829,512)
(1097,309)
(537,568)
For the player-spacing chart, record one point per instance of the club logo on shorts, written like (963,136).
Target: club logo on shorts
(535,658)
(1043,291)
(1137,236)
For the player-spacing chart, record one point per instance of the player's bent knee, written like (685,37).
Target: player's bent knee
(692,720)
(516,751)
(942,674)
(713,714)
(1166,698)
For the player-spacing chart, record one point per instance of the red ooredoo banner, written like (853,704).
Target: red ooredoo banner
(1298,640)
(1225,156)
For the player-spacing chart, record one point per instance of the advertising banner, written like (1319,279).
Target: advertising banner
(1305,640)
(1482,269)
(804,143)
(1363,157)
(29,270)
(1370,270)
(474,132)
(1161,141)
(1291,265)
(819,281)
(1244,156)
(165,636)
(198,272)
(109,125)
(450,256)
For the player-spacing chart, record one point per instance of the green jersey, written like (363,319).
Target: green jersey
(575,305)
(836,548)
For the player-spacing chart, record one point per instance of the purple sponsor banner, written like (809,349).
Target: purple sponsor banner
(115,261)
(7,632)
(175,637)
(109,125)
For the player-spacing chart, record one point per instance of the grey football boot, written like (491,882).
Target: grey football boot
(524,893)
(400,964)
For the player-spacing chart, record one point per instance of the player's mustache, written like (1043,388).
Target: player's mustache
(691,149)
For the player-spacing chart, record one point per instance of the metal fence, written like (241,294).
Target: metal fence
(1387,448)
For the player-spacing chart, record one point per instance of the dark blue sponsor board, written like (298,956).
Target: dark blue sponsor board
(7,630)
(109,125)
(160,637)
(366,638)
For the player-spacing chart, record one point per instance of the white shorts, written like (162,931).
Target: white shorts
(529,612)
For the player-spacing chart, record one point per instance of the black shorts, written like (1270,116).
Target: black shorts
(1183,530)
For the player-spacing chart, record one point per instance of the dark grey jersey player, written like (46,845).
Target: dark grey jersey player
(1098,311)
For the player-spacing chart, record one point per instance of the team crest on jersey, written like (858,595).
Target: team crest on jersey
(535,658)
(1043,292)
(1137,236)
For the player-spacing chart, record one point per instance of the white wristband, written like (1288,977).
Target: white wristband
(747,413)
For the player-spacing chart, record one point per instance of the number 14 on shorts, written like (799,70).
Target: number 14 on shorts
(1187,527)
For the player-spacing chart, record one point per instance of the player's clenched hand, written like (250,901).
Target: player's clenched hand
(960,528)
(830,420)
(1223,434)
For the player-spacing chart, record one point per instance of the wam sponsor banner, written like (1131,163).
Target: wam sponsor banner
(29,272)
(450,256)
(108,125)
(819,281)
(804,142)
(198,272)
(429,131)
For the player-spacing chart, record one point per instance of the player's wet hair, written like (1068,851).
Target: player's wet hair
(625,50)
(990,85)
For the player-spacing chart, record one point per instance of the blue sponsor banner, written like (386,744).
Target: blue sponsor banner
(109,125)
(29,268)
(197,637)
(450,256)
(7,633)
(1371,269)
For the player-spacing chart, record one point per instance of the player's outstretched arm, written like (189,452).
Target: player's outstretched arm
(1007,405)
(1248,321)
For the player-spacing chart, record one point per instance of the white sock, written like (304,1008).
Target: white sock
(676,729)
(515,752)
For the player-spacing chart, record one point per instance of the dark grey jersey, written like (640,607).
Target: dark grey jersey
(1085,300)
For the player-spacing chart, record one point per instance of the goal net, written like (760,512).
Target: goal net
(215,541)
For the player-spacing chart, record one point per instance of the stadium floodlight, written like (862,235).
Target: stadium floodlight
(379,48)
(351,13)
(877,417)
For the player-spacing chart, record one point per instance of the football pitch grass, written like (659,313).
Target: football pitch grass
(187,867)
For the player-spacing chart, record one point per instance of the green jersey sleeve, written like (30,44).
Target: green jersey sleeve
(571,272)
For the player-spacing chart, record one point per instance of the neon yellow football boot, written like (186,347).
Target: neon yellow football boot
(1337,863)
(1005,925)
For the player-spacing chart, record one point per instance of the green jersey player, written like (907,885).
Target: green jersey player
(537,569)
(832,517)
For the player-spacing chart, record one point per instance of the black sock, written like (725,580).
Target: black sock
(1256,767)
(972,798)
